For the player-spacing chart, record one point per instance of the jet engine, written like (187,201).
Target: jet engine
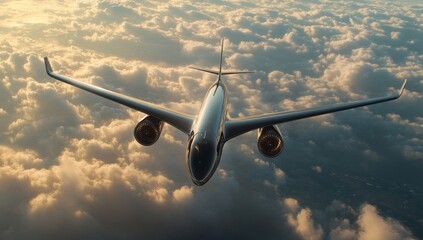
(148,130)
(269,141)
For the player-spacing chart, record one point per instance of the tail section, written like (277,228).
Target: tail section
(220,73)
(217,73)
(221,59)
(242,72)
(206,70)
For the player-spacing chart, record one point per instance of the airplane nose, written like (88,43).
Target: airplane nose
(200,169)
(201,158)
(198,182)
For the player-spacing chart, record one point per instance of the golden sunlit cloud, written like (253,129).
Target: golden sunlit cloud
(70,167)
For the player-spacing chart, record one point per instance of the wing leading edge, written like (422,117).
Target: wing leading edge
(180,121)
(238,126)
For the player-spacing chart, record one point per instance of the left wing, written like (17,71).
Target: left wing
(238,126)
(181,121)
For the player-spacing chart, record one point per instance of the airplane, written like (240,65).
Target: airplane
(212,127)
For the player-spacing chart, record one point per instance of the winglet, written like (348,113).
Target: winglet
(403,87)
(48,66)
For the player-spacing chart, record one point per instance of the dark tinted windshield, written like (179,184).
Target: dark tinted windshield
(201,157)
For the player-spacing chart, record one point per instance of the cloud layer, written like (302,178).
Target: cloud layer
(70,168)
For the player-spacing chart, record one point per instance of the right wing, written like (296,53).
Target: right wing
(180,121)
(238,126)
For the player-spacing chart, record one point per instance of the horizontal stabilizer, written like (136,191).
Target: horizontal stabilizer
(229,73)
(217,73)
(206,70)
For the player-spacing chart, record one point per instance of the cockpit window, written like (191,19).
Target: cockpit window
(202,157)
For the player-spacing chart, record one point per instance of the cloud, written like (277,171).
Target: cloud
(70,168)
(345,223)
(183,194)
(375,227)
(304,225)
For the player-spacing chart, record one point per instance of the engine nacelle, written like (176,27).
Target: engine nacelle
(269,141)
(148,130)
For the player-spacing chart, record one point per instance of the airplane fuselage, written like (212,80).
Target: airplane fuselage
(206,140)
(211,128)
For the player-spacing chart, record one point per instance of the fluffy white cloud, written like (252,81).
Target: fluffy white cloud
(70,168)
(183,194)
(304,225)
(369,225)
(373,226)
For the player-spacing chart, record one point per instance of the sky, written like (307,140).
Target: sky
(71,169)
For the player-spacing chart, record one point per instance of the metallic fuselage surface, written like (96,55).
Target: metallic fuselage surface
(206,141)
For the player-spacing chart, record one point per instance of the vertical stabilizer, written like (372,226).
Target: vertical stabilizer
(221,61)
(220,73)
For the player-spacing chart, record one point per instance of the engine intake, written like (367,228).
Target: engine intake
(269,141)
(148,130)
